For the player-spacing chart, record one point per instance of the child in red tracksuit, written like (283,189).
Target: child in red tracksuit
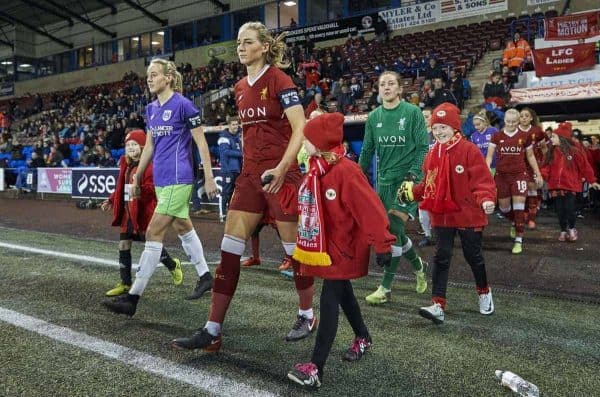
(133,215)
(564,167)
(341,217)
(458,191)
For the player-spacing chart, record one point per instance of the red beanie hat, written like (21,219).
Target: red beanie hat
(325,131)
(448,114)
(564,129)
(136,135)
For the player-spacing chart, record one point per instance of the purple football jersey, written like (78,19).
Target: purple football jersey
(170,126)
(482,141)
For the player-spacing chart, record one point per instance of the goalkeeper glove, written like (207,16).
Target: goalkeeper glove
(405,193)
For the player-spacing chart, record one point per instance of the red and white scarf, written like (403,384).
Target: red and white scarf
(311,245)
(437,196)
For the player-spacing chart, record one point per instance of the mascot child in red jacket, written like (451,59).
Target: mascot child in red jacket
(133,215)
(459,192)
(341,217)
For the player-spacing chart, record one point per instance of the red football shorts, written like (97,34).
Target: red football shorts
(249,196)
(510,185)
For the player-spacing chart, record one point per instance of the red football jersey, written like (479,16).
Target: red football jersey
(536,136)
(266,130)
(510,152)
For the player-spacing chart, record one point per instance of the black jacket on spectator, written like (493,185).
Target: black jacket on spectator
(440,96)
(437,71)
(494,90)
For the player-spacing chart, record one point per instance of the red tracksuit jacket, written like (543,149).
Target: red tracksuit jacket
(471,183)
(566,172)
(140,209)
(354,220)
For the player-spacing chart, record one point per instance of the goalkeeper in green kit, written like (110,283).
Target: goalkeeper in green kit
(396,132)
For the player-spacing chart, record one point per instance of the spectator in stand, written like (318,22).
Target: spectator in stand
(516,53)
(455,85)
(6,143)
(345,101)
(106,159)
(293,23)
(336,89)
(312,76)
(356,88)
(494,89)
(64,148)
(400,65)
(439,94)
(373,101)
(350,155)
(55,158)
(313,105)
(381,29)
(116,138)
(331,69)
(434,71)
(222,112)
(230,155)
(210,114)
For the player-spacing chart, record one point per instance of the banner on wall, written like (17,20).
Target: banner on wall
(571,92)
(539,2)
(7,89)
(54,180)
(96,183)
(564,59)
(332,29)
(457,9)
(572,27)
(413,15)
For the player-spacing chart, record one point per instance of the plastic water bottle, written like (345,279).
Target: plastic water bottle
(517,384)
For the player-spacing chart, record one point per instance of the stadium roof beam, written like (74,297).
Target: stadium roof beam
(7,43)
(154,17)
(13,20)
(113,9)
(83,19)
(224,7)
(49,10)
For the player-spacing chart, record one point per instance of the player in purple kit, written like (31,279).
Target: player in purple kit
(172,122)
(272,120)
(483,135)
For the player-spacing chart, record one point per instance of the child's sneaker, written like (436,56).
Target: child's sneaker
(421,277)
(573,236)
(513,232)
(120,289)
(357,349)
(379,297)
(517,248)
(562,236)
(305,374)
(434,313)
(486,303)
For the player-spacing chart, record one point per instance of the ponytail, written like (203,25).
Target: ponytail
(277,46)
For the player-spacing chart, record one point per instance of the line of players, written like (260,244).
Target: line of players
(273,124)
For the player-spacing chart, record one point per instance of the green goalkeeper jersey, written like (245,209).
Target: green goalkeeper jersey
(399,138)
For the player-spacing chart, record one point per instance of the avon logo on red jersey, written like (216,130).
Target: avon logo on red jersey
(250,113)
(511,149)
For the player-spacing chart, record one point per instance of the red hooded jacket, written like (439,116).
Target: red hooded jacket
(566,172)
(471,184)
(140,209)
(355,220)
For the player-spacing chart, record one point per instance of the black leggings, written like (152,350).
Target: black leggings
(336,293)
(471,246)
(565,209)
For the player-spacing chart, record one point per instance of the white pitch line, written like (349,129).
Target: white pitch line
(74,257)
(213,384)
